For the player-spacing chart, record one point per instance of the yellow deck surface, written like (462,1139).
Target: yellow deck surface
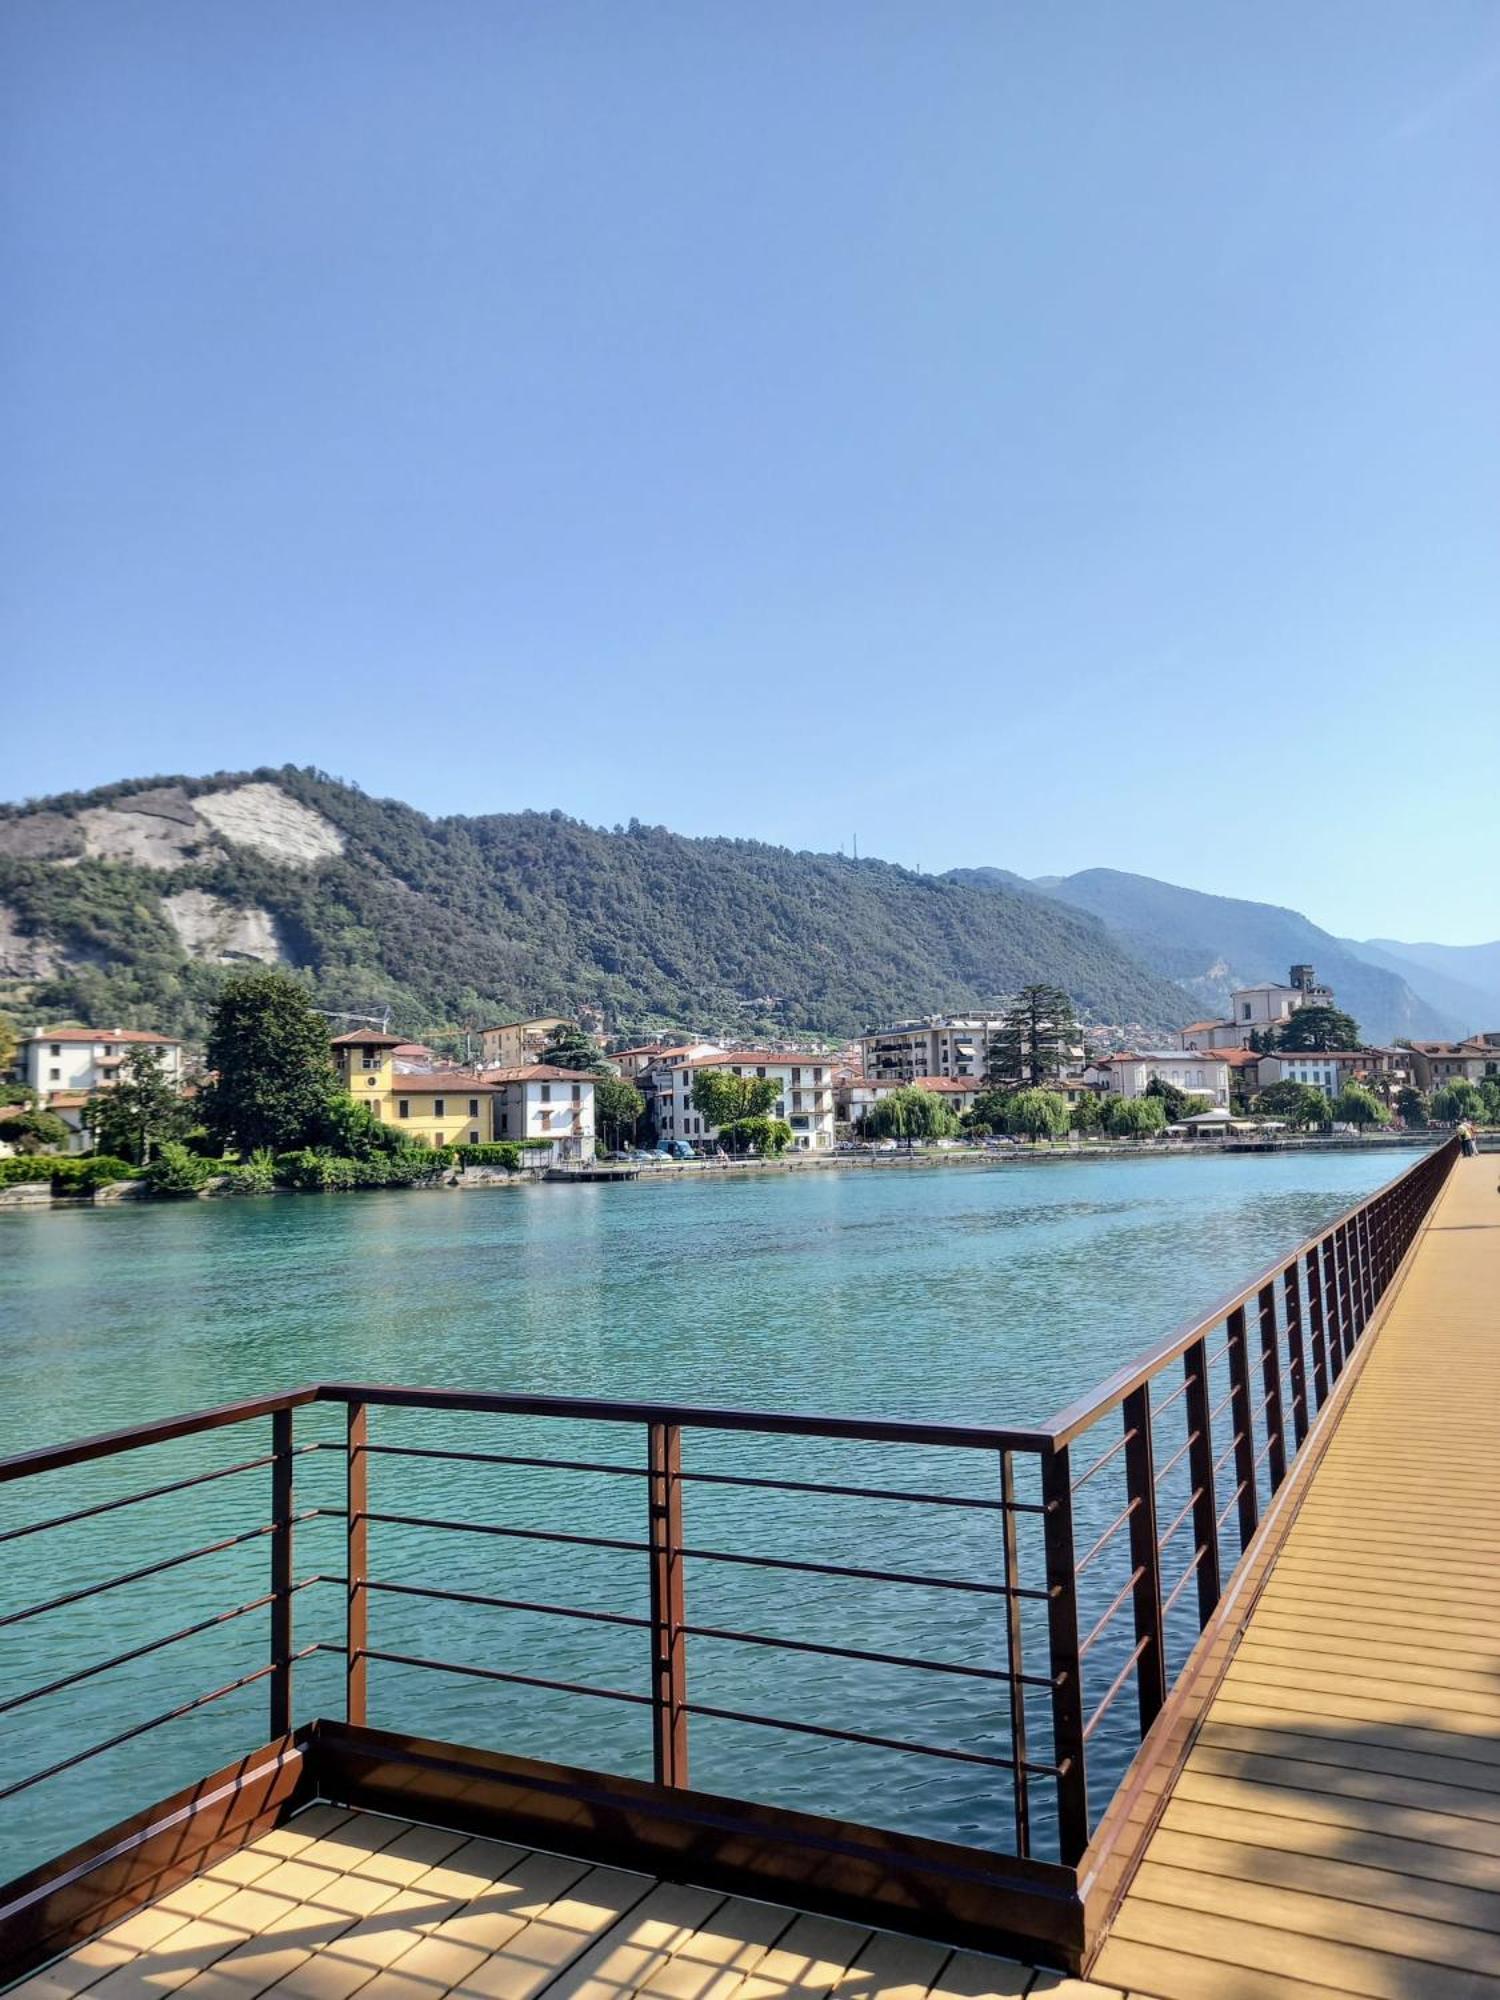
(335,1904)
(1336,1828)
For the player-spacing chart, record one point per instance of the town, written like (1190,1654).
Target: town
(545,1094)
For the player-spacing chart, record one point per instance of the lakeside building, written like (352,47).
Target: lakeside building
(940,1045)
(1257,1010)
(805,1102)
(1470,1061)
(854,1096)
(62,1061)
(463,1108)
(1131,1073)
(516,1042)
(1383,1070)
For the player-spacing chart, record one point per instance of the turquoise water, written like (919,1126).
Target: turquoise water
(991,1295)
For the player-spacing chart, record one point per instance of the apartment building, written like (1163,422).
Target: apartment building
(514,1043)
(1476,1060)
(67,1060)
(460,1108)
(941,1045)
(805,1099)
(539,1101)
(1383,1070)
(1131,1074)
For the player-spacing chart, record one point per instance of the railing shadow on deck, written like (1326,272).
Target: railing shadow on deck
(664,1566)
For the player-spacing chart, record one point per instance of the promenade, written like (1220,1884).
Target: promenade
(1336,1826)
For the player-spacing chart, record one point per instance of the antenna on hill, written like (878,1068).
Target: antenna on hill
(381,1021)
(856,847)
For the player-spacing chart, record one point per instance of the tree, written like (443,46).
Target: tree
(353,1132)
(724,1101)
(1037,1114)
(1356,1105)
(766,1136)
(7,1041)
(1319,1028)
(140,1111)
(568,1047)
(273,1076)
(1295,1103)
(1489,1090)
(1086,1112)
(910,1113)
(1037,1040)
(38,1132)
(617,1105)
(990,1109)
(1136,1117)
(1177,1103)
(1411,1106)
(1457,1101)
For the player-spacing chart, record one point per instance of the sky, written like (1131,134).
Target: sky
(1051,437)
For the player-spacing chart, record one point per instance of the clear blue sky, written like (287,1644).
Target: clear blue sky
(1048,436)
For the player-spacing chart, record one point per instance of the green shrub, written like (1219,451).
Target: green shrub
(307,1168)
(68,1173)
(100,1170)
(30,1167)
(256,1174)
(176,1172)
(502,1153)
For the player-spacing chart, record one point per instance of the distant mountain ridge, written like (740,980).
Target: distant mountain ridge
(121,906)
(1210,944)
(1462,979)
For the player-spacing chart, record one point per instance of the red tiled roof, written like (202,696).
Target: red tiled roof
(948,1083)
(762,1057)
(531,1021)
(539,1073)
(1196,1027)
(442,1083)
(369,1038)
(101,1035)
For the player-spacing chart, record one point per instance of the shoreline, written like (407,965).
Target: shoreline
(31,1195)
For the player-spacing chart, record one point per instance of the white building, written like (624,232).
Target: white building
(1253,1010)
(1476,1060)
(65,1060)
(805,1084)
(539,1101)
(941,1045)
(1200,1074)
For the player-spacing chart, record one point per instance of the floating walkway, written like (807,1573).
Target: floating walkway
(1335,1828)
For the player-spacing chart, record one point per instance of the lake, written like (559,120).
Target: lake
(988,1294)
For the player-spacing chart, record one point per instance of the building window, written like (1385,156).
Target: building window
(437,1110)
(403,1109)
(473,1138)
(370,1059)
(54,1076)
(504,1121)
(437,1139)
(55,1049)
(1246,1005)
(546,1093)
(473,1107)
(578,1093)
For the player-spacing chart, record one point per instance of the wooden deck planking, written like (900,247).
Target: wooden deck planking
(336,1904)
(1336,1827)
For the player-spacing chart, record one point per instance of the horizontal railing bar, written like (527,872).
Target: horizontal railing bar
(135,1437)
(510,1534)
(1114,1605)
(147,1493)
(692,1416)
(859,1653)
(1229,1505)
(502,1603)
(862,1492)
(140,1652)
(495,1674)
(146,1570)
(861,1575)
(1225,1453)
(1114,1687)
(1177,1457)
(1182,1582)
(140,1728)
(858,1736)
(1087,1558)
(1075,1417)
(1162,1541)
(1104,1458)
(1267,1446)
(502,1458)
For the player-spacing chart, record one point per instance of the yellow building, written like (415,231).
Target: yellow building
(517,1042)
(430,1107)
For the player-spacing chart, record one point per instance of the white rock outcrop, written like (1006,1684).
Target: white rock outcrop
(272,822)
(209,928)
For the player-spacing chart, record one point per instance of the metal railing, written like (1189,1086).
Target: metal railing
(1095,1546)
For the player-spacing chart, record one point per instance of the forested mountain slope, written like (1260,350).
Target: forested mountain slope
(121,906)
(1210,944)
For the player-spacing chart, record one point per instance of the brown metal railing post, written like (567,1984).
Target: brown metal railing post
(1244,1428)
(357,1567)
(1348,1328)
(1296,1360)
(1015,1657)
(1270,1375)
(1315,1315)
(281,1573)
(1145,1555)
(1362,1267)
(669,1721)
(1065,1666)
(1331,1311)
(1201,1472)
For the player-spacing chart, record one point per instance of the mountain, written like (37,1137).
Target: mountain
(1462,979)
(1209,944)
(123,905)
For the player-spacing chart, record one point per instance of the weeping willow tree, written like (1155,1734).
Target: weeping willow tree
(910,1113)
